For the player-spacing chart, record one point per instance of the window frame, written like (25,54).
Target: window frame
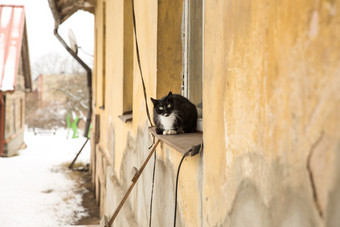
(189,51)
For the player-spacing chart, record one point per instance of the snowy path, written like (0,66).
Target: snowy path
(34,190)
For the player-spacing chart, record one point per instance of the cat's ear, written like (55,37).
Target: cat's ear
(154,101)
(169,95)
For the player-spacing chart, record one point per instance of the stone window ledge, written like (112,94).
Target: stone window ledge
(126,117)
(180,142)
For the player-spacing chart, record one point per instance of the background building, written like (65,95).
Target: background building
(54,97)
(15,78)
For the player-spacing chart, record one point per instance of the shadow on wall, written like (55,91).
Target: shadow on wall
(164,195)
(260,181)
(248,201)
(333,208)
(289,211)
(288,207)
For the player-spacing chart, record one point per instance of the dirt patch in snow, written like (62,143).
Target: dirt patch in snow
(82,176)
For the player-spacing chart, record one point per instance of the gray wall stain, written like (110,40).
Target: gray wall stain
(333,208)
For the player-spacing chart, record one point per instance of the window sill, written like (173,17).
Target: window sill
(180,142)
(126,117)
(199,126)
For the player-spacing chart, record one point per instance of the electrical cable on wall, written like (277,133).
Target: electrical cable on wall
(152,187)
(179,167)
(139,63)
(146,106)
(193,151)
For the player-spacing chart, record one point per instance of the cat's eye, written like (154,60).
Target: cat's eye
(161,108)
(169,105)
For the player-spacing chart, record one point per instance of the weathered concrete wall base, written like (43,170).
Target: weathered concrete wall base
(136,210)
(137,205)
(16,143)
(276,203)
(287,209)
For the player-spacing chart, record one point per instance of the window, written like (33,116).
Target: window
(179,61)
(104,56)
(14,116)
(100,59)
(128,58)
(169,48)
(21,113)
(192,55)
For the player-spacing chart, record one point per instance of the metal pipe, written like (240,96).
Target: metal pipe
(89,78)
(134,181)
(81,149)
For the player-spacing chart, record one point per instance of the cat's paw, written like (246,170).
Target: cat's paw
(172,132)
(159,131)
(169,132)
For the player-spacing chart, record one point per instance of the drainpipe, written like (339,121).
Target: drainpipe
(89,79)
(2,124)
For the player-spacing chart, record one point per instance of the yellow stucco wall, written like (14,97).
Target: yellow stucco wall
(271,75)
(270,105)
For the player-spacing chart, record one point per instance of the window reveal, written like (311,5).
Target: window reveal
(192,30)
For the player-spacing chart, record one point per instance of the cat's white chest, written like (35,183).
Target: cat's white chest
(168,122)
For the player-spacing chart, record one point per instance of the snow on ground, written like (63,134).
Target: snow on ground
(34,189)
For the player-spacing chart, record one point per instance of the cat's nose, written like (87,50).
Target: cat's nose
(166,114)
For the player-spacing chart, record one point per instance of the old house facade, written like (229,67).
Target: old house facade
(54,97)
(266,77)
(15,78)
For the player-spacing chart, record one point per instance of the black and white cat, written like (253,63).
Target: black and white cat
(174,114)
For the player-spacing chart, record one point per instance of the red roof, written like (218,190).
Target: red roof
(12,21)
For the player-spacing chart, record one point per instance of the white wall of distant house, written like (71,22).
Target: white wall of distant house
(40,26)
